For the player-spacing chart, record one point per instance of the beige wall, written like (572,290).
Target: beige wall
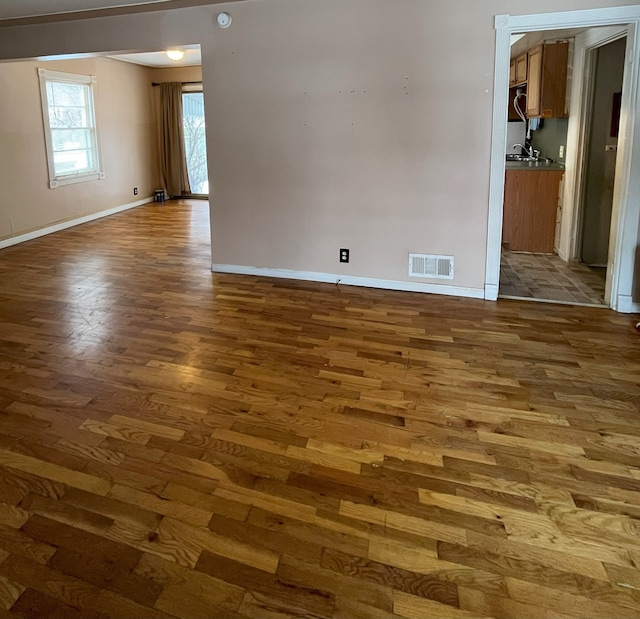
(359,126)
(127,145)
(334,123)
(363,124)
(176,74)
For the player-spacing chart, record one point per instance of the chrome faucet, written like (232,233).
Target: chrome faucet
(534,154)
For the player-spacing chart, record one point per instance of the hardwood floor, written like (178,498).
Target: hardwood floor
(177,443)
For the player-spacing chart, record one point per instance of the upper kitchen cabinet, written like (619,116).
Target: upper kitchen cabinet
(521,69)
(547,80)
(518,70)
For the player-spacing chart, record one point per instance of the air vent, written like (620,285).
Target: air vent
(437,267)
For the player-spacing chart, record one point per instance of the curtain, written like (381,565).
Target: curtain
(173,162)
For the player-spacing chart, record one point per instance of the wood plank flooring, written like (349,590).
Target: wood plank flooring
(180,444)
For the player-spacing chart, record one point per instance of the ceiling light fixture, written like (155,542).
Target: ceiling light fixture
(175,54)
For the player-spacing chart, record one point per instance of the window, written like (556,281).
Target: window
(69,127)
(195,143)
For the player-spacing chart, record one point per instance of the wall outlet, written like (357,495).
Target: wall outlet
(135,191)
(561,152)
(344,255)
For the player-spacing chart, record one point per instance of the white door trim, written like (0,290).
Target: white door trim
(628,195)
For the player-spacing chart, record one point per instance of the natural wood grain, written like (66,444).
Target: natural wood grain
(161,505)
(134,435)
(424,585)
(530,205)
(414,607)
(54,472)
(74,592)
(188,593)
(175,443)
(9,593)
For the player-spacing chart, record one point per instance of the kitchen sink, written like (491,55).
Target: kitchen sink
(529,161)
(511,157)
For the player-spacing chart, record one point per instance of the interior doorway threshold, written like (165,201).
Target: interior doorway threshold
(547,277)
(577,303)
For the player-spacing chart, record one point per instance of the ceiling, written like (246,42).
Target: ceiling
(192,57)
(525,42)
(12,11)
(15,9)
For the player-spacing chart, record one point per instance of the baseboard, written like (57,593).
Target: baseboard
(626,305)
(349,280)
(511,297)
(490,292)
(63,225)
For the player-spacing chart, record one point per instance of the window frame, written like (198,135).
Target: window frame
(57,180)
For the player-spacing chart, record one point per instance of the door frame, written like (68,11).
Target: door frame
(578,137)
(626,215)
(579,132)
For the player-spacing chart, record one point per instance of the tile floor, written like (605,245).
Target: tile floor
(547,277)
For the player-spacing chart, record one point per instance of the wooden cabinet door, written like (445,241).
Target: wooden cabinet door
(512,73)
(521,69)
(553,86)
(530,210)
(534,83)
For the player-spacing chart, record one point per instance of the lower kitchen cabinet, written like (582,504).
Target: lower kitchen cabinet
(530,207)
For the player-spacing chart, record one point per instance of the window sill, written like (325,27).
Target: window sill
(79,178)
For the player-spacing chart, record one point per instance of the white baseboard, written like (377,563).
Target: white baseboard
(34,234)
(349,280)
(490,292)
(626,305)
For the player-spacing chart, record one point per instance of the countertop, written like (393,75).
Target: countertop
(540,166)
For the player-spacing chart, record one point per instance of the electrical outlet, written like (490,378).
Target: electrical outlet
(135,191)
(344,255)
(561,152)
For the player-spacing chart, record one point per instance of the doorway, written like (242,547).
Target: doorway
(626,207)
(602,123)
(537,274)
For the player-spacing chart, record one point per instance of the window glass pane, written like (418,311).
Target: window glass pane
(68,94)
(67,117)
(195,142)
(73,161)
(70,139)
